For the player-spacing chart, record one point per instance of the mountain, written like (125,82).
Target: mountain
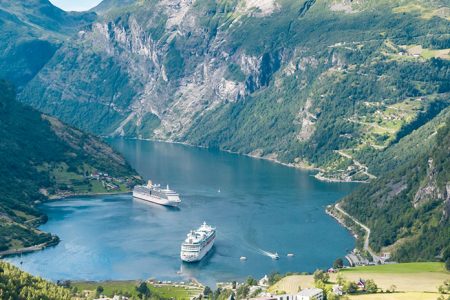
(408,208)
(41,157)
(31,33)
(325,84)
(355,89)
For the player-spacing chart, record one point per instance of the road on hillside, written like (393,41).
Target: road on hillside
(375,257)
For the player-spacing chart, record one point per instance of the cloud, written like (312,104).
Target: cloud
(75,5)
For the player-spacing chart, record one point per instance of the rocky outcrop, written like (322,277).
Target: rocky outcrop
(429,189)
(307,121)
(259,8)
(446,210)
(346,6)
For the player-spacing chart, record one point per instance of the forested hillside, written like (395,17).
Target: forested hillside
(325,83)
(41,157)
(15,284)
(408,207)
(18,285)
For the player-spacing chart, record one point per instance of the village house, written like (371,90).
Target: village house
(264,281)
(116,297)
(306,294)
(337,290)
(361,284)
(310,294)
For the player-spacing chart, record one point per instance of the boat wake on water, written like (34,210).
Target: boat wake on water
(269,254)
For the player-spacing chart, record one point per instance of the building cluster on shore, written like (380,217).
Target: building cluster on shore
(108,182)
(116,297)
(305,294)
(260,291)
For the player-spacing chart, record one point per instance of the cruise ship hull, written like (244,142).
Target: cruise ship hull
(197,256)
(153,199)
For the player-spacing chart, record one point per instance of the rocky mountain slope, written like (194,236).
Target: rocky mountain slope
(41,157)
(324,83)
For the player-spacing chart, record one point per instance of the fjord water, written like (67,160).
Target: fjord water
(257,206)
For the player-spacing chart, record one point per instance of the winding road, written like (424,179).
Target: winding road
(366,247)
(357,163)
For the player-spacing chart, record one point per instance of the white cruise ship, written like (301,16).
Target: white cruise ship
(155,194)
(198,243)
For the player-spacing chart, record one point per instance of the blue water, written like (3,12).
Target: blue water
(261,206)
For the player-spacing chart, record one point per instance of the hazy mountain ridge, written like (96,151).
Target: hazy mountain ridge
(31,32)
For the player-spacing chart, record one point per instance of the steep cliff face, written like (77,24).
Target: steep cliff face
(310,83)
(430,190)
(162,58)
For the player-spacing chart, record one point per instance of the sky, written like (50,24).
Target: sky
(75,5)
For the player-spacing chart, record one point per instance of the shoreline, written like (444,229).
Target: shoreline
(192,282)
(340,220)
(289,165)
(332,180)
(55,239)
(73,195)
(52,198)
(30,249)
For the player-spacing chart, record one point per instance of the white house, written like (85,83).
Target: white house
(310,294)
(285,297)
(116,297)
(264,281)
(337,290)
(306,294)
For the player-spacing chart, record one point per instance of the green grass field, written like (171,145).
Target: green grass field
(129,287)
(424,267)
(397,296)
(110,287)
(97,187)
(78,184)
(407,277)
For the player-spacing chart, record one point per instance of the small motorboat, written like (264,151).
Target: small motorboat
(275,256)
(290,255)
(243,258)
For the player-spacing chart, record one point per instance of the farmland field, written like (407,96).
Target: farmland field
(407,277)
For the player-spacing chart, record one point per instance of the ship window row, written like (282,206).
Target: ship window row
(190,248)
(191,251)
